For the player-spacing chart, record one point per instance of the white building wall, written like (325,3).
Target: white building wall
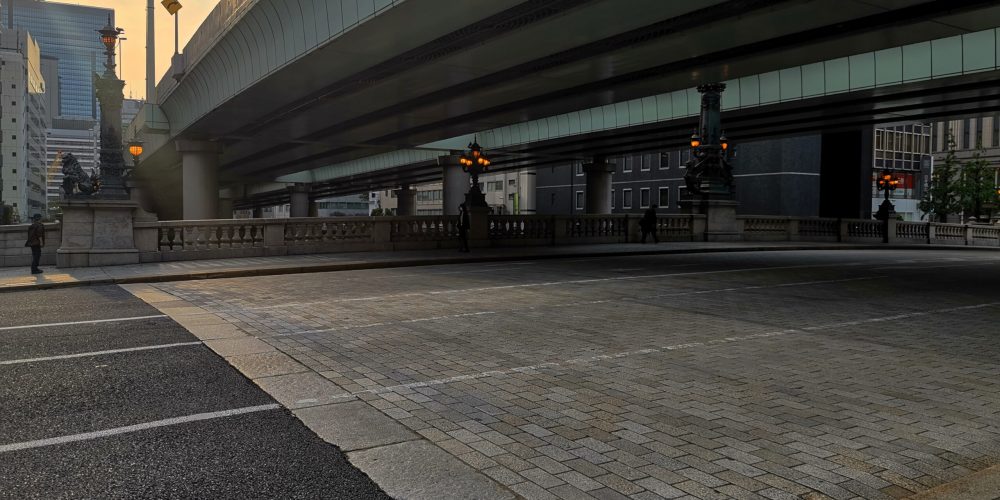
(23,120)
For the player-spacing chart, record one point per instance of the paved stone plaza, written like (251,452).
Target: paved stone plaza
(841,374)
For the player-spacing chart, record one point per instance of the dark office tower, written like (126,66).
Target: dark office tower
(68,33)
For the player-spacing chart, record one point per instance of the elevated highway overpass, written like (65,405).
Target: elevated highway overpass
(372,95)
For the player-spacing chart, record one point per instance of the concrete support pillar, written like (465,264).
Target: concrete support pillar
(225,208)
(300,200)
(598,195)
(846,174)
(406,201)
(454,184)
(200,179)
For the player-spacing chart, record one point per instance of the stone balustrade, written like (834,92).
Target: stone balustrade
(13,253)
(209,239)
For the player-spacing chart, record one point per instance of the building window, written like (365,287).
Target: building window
(579,200)
(510,196)
(966,134)
(612,199)
(579,169)
(664,161)
(664,197)
(626,198)
(996,130)
(552,199)
(511,182)
(626,164)
(979,133)
(646,162)
(644,198)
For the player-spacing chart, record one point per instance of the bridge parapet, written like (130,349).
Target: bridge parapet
(163,241)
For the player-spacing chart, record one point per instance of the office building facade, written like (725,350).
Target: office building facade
(67,33)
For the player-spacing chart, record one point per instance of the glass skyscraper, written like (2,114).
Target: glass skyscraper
(67,32)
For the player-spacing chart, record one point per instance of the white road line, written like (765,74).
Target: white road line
(639,352)
(87,436)
(88,322)
(572,304)
(97,353)
(521,285)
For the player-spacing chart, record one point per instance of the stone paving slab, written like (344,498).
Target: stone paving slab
(715,376)
(12,279)
(983,485)
(354,426)
(418,470)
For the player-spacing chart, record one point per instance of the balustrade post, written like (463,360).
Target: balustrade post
(382,230)
(890,231)
(968,234)
(698,225)
(793,230)
(274,238)
(930,232)
(844,231)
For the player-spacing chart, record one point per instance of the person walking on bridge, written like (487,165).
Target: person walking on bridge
(463,227)
(648,223)
(36,240)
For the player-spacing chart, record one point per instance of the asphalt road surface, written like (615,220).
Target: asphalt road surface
(103,397)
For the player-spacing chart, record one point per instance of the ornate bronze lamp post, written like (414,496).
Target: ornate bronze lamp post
(475,162)
(709,174)
(110,94)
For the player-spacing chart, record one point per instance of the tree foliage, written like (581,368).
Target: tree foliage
(942,197)
(976,187)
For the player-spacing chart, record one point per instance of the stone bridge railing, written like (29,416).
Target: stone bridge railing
(13,253)
(212,239)
(207,239)
(757,228)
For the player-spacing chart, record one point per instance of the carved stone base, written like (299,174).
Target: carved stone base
(720,217)
(97,232)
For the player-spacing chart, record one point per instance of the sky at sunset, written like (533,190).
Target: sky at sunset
(131,16)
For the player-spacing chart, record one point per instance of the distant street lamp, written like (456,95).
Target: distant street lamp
(887,183)
(475,162)
(135,149)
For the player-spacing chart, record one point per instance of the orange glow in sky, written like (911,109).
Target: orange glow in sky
(131,16)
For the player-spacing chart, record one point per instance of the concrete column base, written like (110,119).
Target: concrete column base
(598,194)
(97,233)
(720,217)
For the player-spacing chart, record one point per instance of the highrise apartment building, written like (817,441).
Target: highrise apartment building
(23,121)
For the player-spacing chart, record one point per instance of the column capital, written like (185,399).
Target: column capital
(193,146)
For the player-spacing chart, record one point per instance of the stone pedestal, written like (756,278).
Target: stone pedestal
(97,233)
(479,226)
(720,217)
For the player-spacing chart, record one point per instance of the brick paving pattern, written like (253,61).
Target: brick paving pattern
(796,375)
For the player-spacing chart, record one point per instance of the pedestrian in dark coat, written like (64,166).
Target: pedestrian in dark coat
(648,224)
(36,240)
(463,227)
